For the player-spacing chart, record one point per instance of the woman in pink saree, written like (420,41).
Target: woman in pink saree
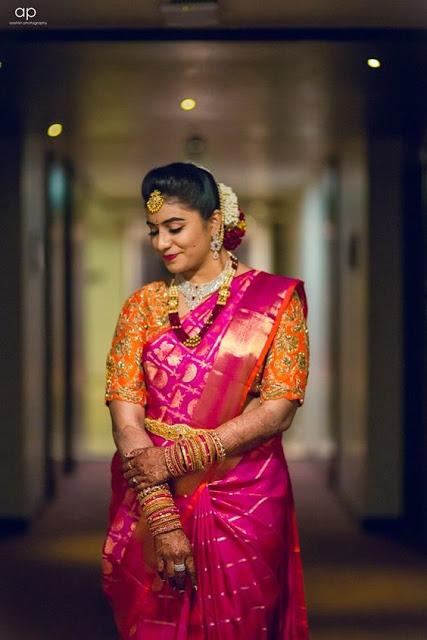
(231,567)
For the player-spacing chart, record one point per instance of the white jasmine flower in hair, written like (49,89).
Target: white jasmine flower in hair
(229,205)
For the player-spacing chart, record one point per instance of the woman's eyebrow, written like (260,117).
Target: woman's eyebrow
(166,221)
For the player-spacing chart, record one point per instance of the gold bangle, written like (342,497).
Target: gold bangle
(219,446)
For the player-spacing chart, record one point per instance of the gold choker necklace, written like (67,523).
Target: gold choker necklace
(194,294)
(173,301)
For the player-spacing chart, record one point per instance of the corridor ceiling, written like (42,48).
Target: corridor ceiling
(231,13)
(267,113)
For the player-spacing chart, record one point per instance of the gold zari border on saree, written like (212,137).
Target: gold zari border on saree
(171,431)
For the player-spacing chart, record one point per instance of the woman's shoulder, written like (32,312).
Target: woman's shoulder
(244,268)
(282,279)
(278,282)
(146,297)
(155,288)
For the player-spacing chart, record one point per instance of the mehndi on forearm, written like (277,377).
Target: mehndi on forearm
(128,436)
(251,429)
(235,436)
(157,503)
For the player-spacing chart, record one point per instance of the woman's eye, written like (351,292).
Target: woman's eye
(154,232)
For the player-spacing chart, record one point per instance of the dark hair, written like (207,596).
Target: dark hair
(192,185)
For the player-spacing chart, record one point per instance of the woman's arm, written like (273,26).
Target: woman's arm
(150,465)
(127,420)
(171,546)
(125,391)
(257,425)
(282,386)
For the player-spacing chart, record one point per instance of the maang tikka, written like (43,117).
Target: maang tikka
(155,201)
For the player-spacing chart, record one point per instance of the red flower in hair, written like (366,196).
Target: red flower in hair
(233,235)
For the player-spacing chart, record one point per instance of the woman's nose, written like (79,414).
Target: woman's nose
(163,240)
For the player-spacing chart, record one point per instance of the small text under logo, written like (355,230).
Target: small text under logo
(26,15)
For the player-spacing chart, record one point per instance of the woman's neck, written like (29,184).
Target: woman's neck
(208,270)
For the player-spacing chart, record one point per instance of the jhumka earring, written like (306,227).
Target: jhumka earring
(217,240)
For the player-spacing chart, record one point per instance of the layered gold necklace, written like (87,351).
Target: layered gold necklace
(223,294)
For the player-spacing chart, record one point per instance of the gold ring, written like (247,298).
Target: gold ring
(130,465)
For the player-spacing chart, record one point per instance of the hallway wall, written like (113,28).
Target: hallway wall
(386,423)
(353,355)
(22,363)
(32,319)
(371,359)
(305,254)
(103,294)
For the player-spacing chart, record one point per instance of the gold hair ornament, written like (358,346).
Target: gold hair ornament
(155,201)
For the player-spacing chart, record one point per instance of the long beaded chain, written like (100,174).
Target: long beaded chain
(173,301)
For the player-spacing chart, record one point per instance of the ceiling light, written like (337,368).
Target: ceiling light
(187,104)
(54,130)
(193,13)
(374,63)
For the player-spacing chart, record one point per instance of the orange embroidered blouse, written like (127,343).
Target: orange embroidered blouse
(144,315)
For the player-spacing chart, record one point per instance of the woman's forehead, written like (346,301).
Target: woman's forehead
(171,209)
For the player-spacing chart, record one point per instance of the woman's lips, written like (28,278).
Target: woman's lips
(170,257)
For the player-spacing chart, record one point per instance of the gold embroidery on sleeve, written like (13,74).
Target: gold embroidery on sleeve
(142,316)
(286,368)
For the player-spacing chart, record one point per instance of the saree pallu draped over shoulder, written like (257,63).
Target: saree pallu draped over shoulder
(239,514)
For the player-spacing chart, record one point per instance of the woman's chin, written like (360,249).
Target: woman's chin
(173,268)
(181,264)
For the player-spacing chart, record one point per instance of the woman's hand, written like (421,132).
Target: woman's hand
(174,548)
(145,468)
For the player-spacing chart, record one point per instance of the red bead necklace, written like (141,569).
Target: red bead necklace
(174,319)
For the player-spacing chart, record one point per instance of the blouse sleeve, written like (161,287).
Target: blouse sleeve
(286,367)
(124,372)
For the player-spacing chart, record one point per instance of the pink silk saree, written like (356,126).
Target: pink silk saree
(239,515)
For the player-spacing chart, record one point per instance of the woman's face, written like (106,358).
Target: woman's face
(181,236)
